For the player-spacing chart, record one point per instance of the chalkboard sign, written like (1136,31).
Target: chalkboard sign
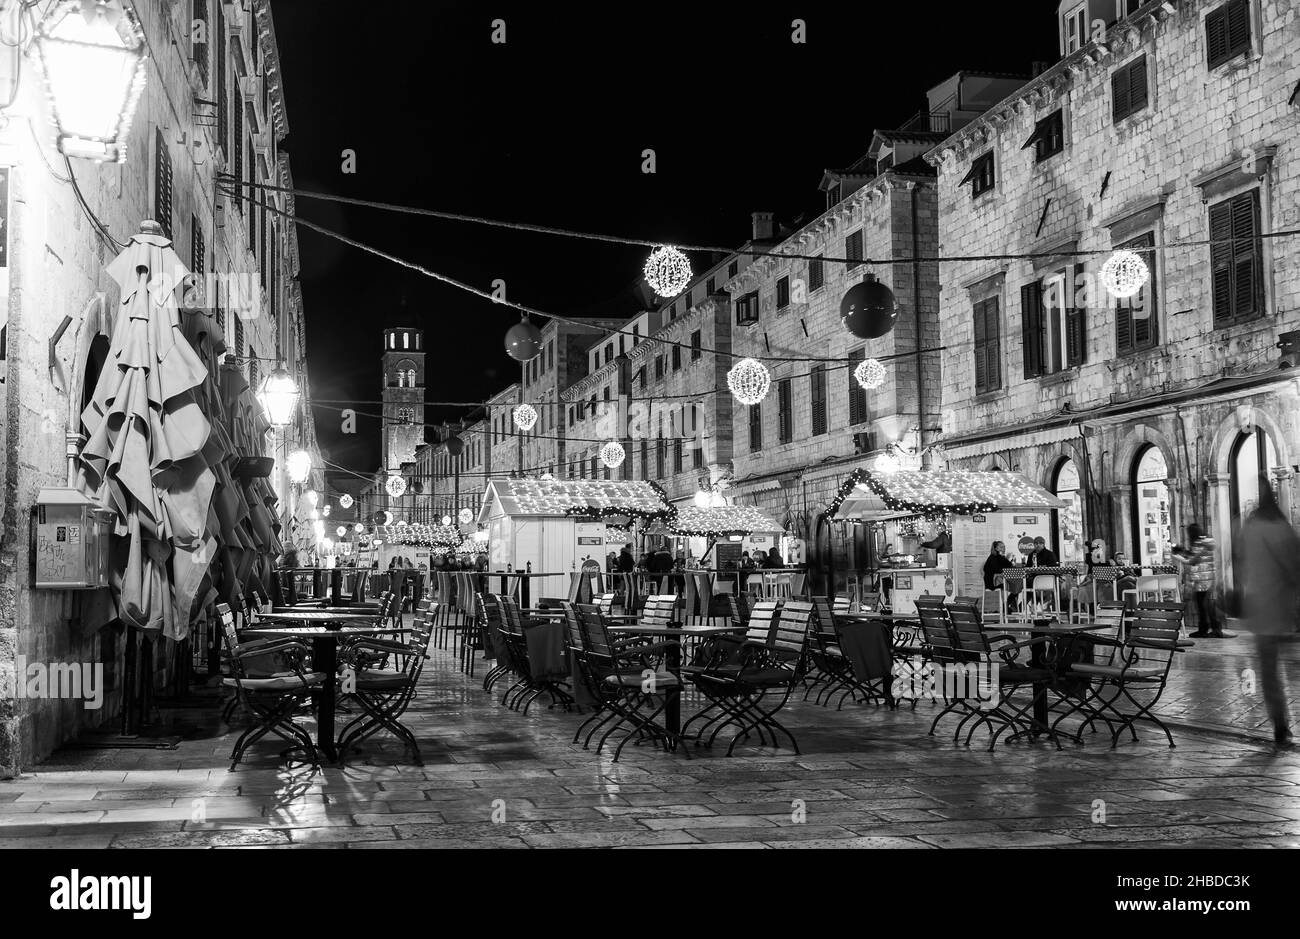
(726,555)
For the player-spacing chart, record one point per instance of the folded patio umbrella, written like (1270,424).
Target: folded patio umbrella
(144,456)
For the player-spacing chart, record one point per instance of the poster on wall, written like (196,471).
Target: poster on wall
(973,538)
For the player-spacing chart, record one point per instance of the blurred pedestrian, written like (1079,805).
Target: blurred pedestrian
(1270,571)
(1198,564)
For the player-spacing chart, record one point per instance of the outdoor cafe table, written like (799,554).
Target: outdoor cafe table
(314,625)
(524,582)
(673,659)
(1057,660)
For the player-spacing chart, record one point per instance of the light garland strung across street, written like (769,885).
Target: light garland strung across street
(749,381)
(667,271)
(524,416)
(612,454)
(1125,273)
(870,374)
(395,486)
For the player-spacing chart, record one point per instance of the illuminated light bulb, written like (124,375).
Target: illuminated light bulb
(667,271)
(279,397)
(887,463)
(446,521)
(298,465)
(346,501)
(612,454)
(870,374)
(358,528)
(1125,273)
(701,499)
(466,516)
(749,381)
(341,531)
(395,486)
(311,497)
(524,416)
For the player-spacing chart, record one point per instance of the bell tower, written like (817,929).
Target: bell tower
(403,395)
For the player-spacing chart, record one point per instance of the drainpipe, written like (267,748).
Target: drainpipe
(926,458)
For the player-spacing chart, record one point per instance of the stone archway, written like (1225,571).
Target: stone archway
(1137,439)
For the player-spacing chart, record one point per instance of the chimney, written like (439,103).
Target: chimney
(763,226)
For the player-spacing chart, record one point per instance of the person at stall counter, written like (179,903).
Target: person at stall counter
(773,558)
(626,563)
(996,563)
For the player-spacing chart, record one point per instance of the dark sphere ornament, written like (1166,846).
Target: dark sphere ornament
(523,341)
(455,445)
(869,309)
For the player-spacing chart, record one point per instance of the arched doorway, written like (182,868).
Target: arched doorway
(1250,464)
(1068,523)
(1152,508)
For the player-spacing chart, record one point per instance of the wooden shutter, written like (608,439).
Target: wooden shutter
(1216,36)
(239,147)
(857,394)
(1119,94)
(1238,26)
(786,424)
(818,397)
(1031,321)
(981,336)
(755,428)
(1137,85)
(1076,339)
(1245,255)
(162,183)
(1221,261)
(992,345)
(223,97)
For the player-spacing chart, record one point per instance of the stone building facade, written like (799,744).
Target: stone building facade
(1173,127)
(206,108)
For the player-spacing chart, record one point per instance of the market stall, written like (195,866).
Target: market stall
(552,529)
(932,530)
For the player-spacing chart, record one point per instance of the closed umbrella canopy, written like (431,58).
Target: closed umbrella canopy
(144,456)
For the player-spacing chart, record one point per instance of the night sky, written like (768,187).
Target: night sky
(549,128)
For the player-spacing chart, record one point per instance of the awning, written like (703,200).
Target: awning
(722,520)
(877,496)
(1035,438)
(563,497)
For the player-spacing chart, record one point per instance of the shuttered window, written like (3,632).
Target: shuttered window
(857,394)
(1128,89)
(1076,337)
(988,349)
(1048,138)
(660,454)
(198,264)
(162,183)
(677,357)
(785,411)
(817,396)
(981,175)
(645,459)
(816,274)
(755,428)
(696,351)
(783,293)
(1227,32)
(853,249)
(659,366)
(1135,317)
(239,147)
(1236,259)
(1033,325)
(223,96)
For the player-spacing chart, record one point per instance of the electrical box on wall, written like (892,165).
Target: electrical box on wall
(71,543)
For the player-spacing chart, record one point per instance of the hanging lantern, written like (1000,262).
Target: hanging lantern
(1125,273)
(523,341)
(345,500)
(341,531)
(524,416)
(612,454)
(749,381)
(667,271)
(395,486)
(298,464)
(870,374)
(93,58)
(466,516)
(869,309)
(278,397)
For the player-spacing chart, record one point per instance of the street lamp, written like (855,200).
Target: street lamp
(279,397)
(92,54)
(298,463)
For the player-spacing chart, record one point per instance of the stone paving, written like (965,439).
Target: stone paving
(867,777)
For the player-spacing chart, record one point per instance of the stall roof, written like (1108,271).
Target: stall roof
(874,495)
(561,497)
(722,520)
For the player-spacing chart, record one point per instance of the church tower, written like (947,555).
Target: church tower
(403,396)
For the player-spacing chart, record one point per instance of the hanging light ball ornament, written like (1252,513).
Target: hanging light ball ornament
(870,374)
(395,486)
(524,416)
(466,516)
(749,380)
(667,271)
(345,500)
(358,528)
(612,454)
(387,518)
(298,464)
(341,531)
(1125,274)
(455,446)
(869,309)
(446,521)
(523,341)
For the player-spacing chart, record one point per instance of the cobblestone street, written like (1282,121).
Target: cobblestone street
(867,777)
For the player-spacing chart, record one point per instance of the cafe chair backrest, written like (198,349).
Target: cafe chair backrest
(964,615)
(660,610)
(606,603)
(790,634)
(823,614)
(937,629)
(870,602)
(595,640)
(572,626)
(762,622)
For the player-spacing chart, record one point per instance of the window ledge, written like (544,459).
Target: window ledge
(989,397)
(1062,377)
(1241,60)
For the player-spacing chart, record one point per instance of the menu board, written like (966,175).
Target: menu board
(973,537)
(726,555)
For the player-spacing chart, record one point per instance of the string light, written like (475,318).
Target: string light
(395,486)
(667,271)
(600,498)
(936,493)
(1125,273)
(298,464)
(749,381)
(524,416)
(612,454)
(870,374)
(345,500)
(720,520)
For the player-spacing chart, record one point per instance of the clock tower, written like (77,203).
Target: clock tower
(403,396)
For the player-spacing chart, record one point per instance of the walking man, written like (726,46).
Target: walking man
(1270,554)
(1199,562)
